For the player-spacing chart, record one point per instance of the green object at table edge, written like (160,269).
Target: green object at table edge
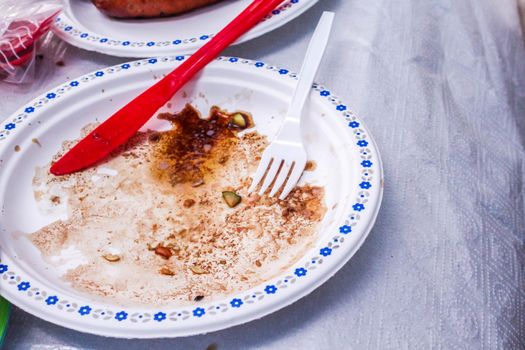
(5,310)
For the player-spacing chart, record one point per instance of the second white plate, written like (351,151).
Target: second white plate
(82,25)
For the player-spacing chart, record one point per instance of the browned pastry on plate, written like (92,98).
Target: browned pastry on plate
(148,8)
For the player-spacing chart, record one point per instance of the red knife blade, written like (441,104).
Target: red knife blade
(122,125)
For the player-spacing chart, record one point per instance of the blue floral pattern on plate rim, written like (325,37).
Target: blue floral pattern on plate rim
(367,165)
(65,27)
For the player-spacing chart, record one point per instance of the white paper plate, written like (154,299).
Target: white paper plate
(348,165)
(82,25)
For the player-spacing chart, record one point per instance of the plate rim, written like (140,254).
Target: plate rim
(66,29)
(270,307)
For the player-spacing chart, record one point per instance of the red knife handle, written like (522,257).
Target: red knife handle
(122,125)
(160,93)
(240,25)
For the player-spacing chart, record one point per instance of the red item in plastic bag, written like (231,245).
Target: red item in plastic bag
(17,43)
(22,24)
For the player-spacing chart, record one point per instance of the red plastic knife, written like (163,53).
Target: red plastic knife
(122,125)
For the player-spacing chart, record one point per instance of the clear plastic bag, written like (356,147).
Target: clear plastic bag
(24,27)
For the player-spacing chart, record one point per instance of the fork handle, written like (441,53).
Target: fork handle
(311,63)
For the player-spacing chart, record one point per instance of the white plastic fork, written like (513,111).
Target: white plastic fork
(285,158)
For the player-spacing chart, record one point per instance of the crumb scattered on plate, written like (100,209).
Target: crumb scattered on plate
(152,224)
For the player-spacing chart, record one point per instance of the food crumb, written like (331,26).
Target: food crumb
(163,252)
(197,270)
(35,141)
(17,148)
(111,257)
(231,198)
(310,166)
(60,63)
(188,203)
(199,297)
(212,346)
(197,183)
(164,270)
(55,200)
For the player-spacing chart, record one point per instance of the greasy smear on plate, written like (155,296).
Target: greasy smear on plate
(151,225)
(184,154)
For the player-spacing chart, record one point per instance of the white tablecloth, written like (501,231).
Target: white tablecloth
(441,84)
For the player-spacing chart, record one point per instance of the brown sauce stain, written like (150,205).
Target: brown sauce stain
(195,146)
